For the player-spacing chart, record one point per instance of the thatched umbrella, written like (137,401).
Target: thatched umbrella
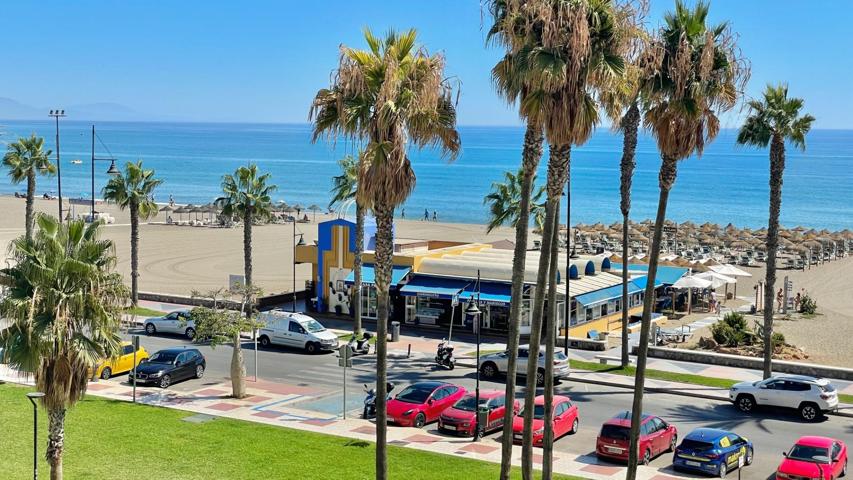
(298,208)
(180,211)
(314,208)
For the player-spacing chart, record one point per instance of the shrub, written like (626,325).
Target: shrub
(808,305)
(732,331)
(777,340)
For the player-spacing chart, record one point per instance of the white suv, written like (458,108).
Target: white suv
(810,396)
(496,363)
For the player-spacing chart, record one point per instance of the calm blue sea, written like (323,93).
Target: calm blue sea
(728,184)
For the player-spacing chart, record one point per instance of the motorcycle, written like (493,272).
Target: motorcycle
(359,346)
(370,400)
(444,355)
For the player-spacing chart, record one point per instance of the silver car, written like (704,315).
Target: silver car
(178,322)
(495,364)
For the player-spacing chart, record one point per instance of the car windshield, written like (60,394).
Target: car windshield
(414,394)
(466,403)
(615,432)
(699,445)
(807,453)
(538,412)
(313,326)
(163,357)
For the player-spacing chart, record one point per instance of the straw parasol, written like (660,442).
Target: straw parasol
(314,208)
(180,211)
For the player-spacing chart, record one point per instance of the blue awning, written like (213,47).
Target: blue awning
(641,282)
(666,274)
(491,293)
(608,293)
(368,275)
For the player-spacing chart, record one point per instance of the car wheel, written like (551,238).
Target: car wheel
(420,420)
(311,348)
(647,457)
(106,373)
(199,371)
(745,403)
(809,411)
(190,333)
(489,370)
(540,378)
(723,470)
(748,460)
(265,341)
(150,329)
(165,381)
(673,442)
(575,425)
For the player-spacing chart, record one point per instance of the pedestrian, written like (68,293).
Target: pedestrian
(434,216)
(717,308)
(403,213)
(171,201)
(713,301)
(797,301)
(779,300)
(426,215)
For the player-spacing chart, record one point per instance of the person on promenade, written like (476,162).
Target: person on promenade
(779,300)
(797,301)
(713,301)
(717,308)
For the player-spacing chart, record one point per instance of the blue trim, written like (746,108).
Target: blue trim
(607,294)
(368,275)
(491,293)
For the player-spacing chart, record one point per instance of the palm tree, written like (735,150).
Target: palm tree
(64,307)
(505,199)
(345,189)
(698,75)
(247,194)
(25,159)
(392,93)
(771,122)
(134,190)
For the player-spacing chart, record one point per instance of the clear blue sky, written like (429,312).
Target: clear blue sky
(263,60)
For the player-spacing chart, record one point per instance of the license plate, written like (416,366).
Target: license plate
(614,450)
(692,464)
(450,427)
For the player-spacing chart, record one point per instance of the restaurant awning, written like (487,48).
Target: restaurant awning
(491,293)
(608,293)
(368,275)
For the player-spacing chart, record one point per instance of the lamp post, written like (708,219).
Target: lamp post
(33,396)
(57,114)
(474,311)
(295,243)
(110,171)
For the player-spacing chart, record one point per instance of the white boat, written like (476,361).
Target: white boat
(77,162)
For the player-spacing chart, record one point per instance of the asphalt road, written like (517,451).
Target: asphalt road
(771,431)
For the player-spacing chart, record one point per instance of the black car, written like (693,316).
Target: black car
(169,366)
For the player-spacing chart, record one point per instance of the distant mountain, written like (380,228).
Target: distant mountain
(103,111)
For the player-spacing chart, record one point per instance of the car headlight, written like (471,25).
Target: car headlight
(155,374)
(539,432)
(408,412)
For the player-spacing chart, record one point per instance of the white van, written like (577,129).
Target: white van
(295,330)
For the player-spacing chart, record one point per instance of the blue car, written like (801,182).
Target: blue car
(712,452)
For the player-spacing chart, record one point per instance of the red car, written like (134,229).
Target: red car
(422,402)
(565,420)
(460,417)
(656,437)
(814,457)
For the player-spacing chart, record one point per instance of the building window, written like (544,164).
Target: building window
(589,314)
(617,306)
(604,309)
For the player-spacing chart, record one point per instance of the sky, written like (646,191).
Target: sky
(262,61)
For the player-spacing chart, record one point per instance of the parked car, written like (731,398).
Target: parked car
(809,395)
(179,322)
(712,452)
(109,367)
(295,330)
(566,420)
(746,261)
(423,402)
(814,457)
(656,437)
(169,366)
(460,417)
(495,364)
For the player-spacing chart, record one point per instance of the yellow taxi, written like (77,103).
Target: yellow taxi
(121,364)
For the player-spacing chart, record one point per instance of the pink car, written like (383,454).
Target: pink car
(814,457)
(460,417)
(421,403)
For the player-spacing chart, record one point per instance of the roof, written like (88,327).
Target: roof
(177,349)
(540,400)
(802,378)
(623,419)
(431,385)
(815,441)
(368,274)
(487,394)
(607,293)
(643,281)
(589,283)
(706,434)
(666,275)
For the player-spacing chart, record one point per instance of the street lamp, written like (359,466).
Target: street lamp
(295,243)
(474,311)
(33,396)
(57,114)
(110,171)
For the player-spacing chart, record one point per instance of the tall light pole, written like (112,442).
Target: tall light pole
(568,264)
(474,311)
(33,397)
(295,243)
(111,171)
(57,114)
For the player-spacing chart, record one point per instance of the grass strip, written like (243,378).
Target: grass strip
(144,312)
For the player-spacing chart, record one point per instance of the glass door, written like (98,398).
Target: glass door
(368,301)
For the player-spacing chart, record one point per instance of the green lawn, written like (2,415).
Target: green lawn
(108,439)
(144,312)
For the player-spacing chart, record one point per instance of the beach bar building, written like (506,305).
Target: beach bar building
(433,280)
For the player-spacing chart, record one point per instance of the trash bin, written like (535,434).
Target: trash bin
(395,331)
(482,418)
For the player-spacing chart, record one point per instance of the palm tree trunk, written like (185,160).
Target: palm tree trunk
(238,369)
(134,253)
(548,442)
(28,215)
(531,153)
(668,172)
(630,125)
(359,246)
(247,248)
(55,441)
(384,253)
(557,171)
(777,168)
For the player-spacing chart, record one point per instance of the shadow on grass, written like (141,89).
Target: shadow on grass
(357,443)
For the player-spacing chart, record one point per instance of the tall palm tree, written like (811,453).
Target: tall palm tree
(699,75)
(505,201)
(25,159)
(345,189)
(771,122)
(64,308)
(248,195)
(393,93)
(134,190)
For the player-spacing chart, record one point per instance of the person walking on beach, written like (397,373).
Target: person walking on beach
(171,201)
(426,215)
(434,216)
(717,308)
(713,301)
(403,213)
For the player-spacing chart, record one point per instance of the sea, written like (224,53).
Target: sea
(728,184)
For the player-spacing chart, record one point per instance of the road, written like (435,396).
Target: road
(771,431)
